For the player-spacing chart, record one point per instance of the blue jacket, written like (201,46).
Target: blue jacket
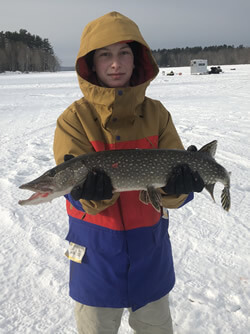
(127,268)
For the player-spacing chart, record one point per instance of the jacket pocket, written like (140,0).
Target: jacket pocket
(95,237)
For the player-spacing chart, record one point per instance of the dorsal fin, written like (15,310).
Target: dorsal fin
(210,148)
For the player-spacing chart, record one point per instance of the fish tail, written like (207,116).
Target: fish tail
(225,199)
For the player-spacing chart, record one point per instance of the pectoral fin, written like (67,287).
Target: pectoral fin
(152,196)
(143,197)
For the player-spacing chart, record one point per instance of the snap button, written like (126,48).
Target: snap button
(120,92)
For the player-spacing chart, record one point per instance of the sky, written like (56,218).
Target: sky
(164,23)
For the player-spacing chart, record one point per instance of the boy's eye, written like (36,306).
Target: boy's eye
(104,54)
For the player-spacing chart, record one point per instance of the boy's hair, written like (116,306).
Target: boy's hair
(89,58)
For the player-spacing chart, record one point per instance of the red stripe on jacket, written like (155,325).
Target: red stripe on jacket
(127,213)
(147,142)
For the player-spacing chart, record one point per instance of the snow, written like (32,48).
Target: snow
(210,246)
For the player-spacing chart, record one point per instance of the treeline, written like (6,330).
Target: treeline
(21,51)
(215,55)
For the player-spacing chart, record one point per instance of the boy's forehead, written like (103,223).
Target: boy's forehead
(119,45)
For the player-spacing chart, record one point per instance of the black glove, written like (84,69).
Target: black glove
(96,187)
(183,181)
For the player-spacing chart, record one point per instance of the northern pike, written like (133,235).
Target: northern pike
(146,170)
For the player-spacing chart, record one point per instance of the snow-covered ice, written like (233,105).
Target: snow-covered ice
(211,247)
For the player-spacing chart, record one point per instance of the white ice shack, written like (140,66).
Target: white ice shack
(198,66)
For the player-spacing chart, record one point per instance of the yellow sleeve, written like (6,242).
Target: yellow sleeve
(70,138)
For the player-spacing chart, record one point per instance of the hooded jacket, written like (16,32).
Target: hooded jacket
(128,259)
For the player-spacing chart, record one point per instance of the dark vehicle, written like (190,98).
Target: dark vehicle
(215,70)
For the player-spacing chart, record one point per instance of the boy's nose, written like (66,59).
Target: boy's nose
(115,63)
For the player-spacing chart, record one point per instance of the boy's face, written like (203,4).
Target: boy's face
(114,65)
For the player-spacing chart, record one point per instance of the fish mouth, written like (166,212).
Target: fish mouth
(37,189)
(42,192)
(35,196)
(41,189)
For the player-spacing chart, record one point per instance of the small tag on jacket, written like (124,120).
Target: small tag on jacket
(75,252)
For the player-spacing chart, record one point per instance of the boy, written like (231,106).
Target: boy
(124,252)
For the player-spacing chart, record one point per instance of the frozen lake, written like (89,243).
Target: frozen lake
(211,247)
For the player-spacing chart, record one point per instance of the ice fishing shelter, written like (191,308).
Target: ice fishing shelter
(198,66)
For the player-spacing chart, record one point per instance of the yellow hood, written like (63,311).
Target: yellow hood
(114,118)
(109,29)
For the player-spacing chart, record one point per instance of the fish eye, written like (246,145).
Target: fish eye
(51,173)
